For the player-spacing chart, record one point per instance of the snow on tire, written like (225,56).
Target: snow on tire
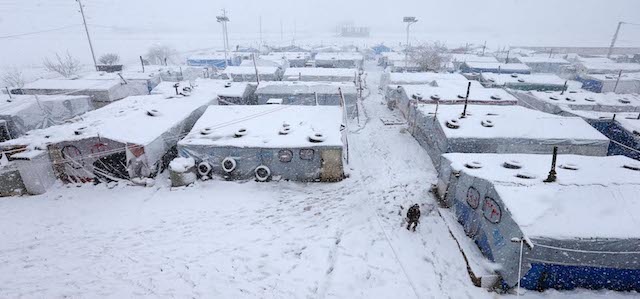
(262,173)
(229,164)
(204,168)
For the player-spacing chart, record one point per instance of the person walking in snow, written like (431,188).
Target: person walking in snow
(413,216)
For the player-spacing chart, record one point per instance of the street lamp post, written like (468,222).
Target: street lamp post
(223,19)
(410,21)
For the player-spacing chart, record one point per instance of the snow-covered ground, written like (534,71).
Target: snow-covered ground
(220,239)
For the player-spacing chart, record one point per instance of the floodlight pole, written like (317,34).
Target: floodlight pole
(86,29)
(613,41)
(223,19)
(410,21)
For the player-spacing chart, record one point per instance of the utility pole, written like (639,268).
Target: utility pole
(613,41)
(223,19)
(484,47)
(410,21)
(86,29)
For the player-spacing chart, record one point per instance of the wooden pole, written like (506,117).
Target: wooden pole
(466,100)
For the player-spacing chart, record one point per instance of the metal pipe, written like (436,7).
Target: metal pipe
(466,100)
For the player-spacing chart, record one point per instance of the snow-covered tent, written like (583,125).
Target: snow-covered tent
(339,59)
(495,67)
(301,143)
(175,73)
(381,48)
(150,79)
(270,61)
(603,67)
(131,138)
(578,232)
(102,92)
(229,93)
(390,78)
(20,114)
(447,92)
(387,58)
(541,64)
(627,83)
(248,73)
(295,59)
(215,60)
(541,82)
(320,74)
(309,93)
(623,128)
(458,59)
(564,103)
(501,129)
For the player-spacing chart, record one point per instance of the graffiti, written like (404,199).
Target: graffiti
(473,197)
(491,210)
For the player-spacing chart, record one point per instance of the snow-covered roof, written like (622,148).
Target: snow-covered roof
(602,67)
(264,126)
(287,55)
(69,84)
(20,102)
(594,59)
(456,91)
(472,58)
(319,71)
(511,122)
(598,200)
(628,120)
(585,100)
(500,79)
(423,78)
(505,67)
(222,88)
(339,56)
(127,120)
(541,59)
(614,77)
(250,70)
(304,87)
(128,75)
(211,56)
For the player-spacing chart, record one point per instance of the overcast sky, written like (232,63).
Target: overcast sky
(501,22)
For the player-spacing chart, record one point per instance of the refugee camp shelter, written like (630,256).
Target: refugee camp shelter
(380,49)
(310,93)
(295,59)
(388,58)
(543,64)
(501,129)
(320,74)
(495,67)
(248,73)
(579,231)
(215,60)
(392,78)
(130,139)
(299,143)
(20,114)
(350,60)
(622,128)
(175,73)
(102,92)
(626,83)
(458,59)
(445,92)
(540,82)
(598,67)
(565,103)
(149,79)
(229,93)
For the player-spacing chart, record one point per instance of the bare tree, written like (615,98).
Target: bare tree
(13,78)
(159,54)
(109,59)
(431,57)
(66,65)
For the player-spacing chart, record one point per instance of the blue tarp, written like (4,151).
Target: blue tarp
(614,131)
(379,49)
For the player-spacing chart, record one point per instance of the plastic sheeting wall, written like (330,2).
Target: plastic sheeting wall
(551,263)
(247,159)
(43,114)
(310,100)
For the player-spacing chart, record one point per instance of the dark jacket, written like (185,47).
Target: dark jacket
(414,213)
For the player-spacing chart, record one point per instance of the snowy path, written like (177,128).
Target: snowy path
(245,240)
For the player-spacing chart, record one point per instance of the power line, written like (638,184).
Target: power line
(38,32)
